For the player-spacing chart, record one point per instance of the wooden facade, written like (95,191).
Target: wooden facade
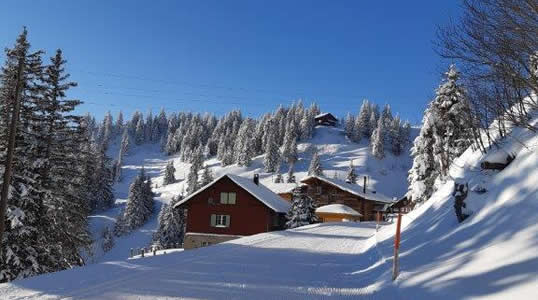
(247,215)
(324,193)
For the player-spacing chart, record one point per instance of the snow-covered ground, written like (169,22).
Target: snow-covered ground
(493,254)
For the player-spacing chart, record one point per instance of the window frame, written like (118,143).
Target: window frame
(226,199)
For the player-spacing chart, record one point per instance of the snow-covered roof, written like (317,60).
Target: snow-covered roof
(324,115)
(338,209)
(354,189)
(259,191)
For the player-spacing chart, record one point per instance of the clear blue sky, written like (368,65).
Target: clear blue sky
(219,55)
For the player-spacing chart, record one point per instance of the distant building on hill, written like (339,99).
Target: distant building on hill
(326,119)
(231,207)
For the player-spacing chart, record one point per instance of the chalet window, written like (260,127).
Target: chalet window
(276,220)
(319,189)
(220,220)
(227,198)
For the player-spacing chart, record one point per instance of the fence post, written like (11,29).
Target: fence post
(396,262)
(142,252)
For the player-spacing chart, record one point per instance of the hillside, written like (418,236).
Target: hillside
(387,176)
(493,254)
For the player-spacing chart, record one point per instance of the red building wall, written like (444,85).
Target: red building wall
(247,216)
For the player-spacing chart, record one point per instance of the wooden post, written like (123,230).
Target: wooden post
(11,146)
(396,263)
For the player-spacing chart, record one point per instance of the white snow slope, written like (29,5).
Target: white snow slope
(493,254)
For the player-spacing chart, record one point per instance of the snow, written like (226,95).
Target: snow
(322,115)
(354,189)
(337,209)
(493,254)
(259,191)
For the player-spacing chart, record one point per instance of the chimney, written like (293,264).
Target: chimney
(364,185)
(256,179)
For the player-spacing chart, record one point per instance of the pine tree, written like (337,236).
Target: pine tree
(243,145)
(192,180)
(424,171)
(349,126)
(351,175)
(139,132)
(207,176)
(272,155)
(386,115)
(103,197)
(138,208)
(395,136)
(169,173)
(119,127)
(450,112)
(302,211)
(107,240)
(363,120)
(315,165)
(171,225)
(372,124)
(289,151)
(377,139)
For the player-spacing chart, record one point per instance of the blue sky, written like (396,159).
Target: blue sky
(216,56)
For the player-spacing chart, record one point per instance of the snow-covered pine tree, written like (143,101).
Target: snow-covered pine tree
(119,126)
(107,239)
(207,176)
(394,136)
(136,211)
(450,113)
(386,115)
(307,123)
(349,126)
(424,171)
(289,151)
(124,149)
(302,211)
(171,225)
(377,139)
(243,144)
(351,174)
(139,136)
(169,173)
(23,245)
(315,168)
(372,125)
(192,179)
(272,155)
(362,123)
(103,197)
(108,130)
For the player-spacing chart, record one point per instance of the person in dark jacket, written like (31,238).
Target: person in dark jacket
(460,193)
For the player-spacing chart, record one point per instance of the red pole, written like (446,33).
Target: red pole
(396,265)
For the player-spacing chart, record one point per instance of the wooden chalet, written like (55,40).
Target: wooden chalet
(230,207)
(325,191)
(326,119)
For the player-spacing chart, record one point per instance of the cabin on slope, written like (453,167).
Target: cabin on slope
(231,207)
(326,119)
(325,191)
